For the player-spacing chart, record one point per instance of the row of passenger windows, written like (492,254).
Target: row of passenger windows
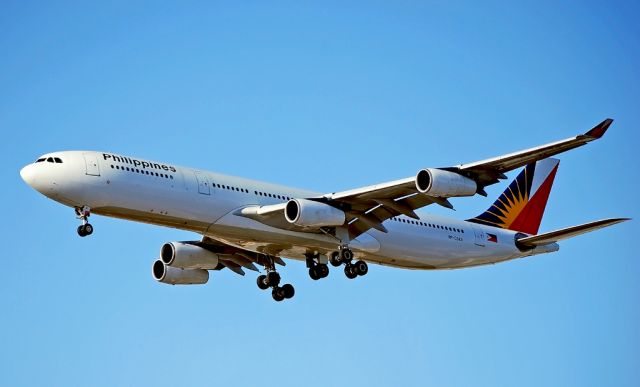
(425,224)
(281,197)
(230,188)
(258,193)
(56,160)
(142,171)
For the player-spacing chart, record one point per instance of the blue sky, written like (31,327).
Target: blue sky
(326,96)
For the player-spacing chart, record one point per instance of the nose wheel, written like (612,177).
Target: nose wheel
(85,230)
(83,214)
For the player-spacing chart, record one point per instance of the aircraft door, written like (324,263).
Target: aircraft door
(203,183)
(91,164)
(479,236)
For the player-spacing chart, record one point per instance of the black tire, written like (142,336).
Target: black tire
(322,270)
(313,273)
(81,231)
(288,291)
(350,272)
(273,279)
(361,268)
(346,255)
(277,294)
(88,229)
(262,282)
(334,259)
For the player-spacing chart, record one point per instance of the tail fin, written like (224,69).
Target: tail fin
(522,204)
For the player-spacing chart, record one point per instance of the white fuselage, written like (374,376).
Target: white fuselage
(205,202)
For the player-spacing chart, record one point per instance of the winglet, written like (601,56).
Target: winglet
(599,130)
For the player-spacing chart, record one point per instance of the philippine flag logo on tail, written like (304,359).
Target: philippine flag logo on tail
(522,204)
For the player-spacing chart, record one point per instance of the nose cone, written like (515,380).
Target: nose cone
(38,179)
(28,174)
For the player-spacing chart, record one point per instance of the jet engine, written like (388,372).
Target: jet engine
(440,183)
(187,256)
(309,213)
(175,276)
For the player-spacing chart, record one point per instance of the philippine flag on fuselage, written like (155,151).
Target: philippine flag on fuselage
(492,238)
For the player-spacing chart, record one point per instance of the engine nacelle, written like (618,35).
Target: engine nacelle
(175,276)
(440,183)
(309,213)
(187,256)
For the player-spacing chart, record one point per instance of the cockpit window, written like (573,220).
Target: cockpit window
(57,160)
(40,160)
(49,159)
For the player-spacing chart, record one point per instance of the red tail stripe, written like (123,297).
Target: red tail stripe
(531,216)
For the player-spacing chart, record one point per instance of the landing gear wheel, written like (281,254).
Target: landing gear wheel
(334,259)
(278,293)
(322,270)
(262,282)
(349,271)
(313,273)
(81,231)
(361,268)
(88,229)
(273,279)
(346,255)
(288,290)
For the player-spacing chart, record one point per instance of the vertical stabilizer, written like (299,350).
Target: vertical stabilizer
(522,204)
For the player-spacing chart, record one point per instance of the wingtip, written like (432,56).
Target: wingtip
(600,129)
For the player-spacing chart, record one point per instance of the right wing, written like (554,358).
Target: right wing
(565,233)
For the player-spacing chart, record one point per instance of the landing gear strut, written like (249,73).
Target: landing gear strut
(272,280)
(345,256)
(83,214)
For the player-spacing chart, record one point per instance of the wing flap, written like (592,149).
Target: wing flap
(565,233)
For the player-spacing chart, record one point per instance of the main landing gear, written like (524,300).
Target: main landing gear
(83,214)
(351,270)
(317,269)
(272,280)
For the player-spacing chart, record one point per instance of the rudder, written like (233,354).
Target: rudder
(522,204)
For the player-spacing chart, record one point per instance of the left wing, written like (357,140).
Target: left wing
(370,206)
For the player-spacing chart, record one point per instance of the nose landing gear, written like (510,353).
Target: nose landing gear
(83,214)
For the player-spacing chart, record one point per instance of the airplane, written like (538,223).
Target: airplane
(246,224)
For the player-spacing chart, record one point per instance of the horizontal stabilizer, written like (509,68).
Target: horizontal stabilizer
(565,233)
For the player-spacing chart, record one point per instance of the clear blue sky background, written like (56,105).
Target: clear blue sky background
(326,96)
